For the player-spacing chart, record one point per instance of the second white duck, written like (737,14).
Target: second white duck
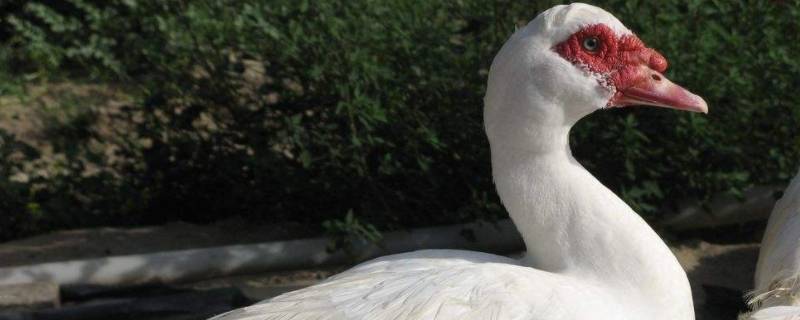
(777,281)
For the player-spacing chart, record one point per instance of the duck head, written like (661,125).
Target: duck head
(570,61)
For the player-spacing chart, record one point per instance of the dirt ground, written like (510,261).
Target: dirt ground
(102,242)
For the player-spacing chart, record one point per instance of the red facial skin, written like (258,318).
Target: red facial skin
(618,60)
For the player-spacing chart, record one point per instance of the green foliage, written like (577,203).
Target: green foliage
(19,215)
(348,231)
(305,111)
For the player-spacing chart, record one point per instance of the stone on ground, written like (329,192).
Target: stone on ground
(28,296)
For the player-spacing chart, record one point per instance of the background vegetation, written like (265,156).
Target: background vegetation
(351,115)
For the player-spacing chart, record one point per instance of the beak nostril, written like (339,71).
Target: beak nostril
(656,77)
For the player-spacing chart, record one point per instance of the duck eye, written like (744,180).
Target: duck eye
(591,44)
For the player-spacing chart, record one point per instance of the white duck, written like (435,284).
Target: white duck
(589,255)
(777,282)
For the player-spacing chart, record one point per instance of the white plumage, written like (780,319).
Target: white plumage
(428,284)
(777,281)
(589,255)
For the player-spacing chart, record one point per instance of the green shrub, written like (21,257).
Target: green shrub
(308,110)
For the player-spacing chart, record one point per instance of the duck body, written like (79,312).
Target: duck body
(440,284)
(589,255)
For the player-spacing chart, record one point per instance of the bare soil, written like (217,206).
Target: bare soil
(103,242)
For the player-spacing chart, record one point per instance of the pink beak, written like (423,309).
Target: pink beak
(656,90)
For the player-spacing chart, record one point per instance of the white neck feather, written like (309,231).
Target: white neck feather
(573,225)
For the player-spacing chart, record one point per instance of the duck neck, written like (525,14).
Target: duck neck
(572,224)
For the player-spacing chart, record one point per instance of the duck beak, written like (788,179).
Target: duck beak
(654,89)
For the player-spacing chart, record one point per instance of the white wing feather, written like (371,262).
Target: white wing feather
(777,313)
(429,284)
